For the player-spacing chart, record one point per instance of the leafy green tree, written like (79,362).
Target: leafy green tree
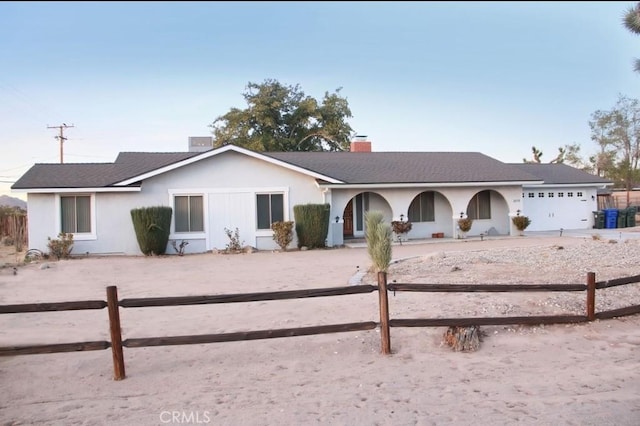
(631,20)
(617,132)
(282,118)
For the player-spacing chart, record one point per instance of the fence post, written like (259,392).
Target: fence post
(591,296)
(385,336)
(116,334)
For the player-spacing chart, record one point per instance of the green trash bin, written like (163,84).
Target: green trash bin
(631,216)
(622,218)
(598,219)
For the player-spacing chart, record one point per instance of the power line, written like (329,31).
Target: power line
(61,137)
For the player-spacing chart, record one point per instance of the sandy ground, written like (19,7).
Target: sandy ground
(586,374)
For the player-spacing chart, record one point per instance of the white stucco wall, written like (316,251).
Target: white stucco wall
(227,173)
(229,183)
(449,202)
(41,220)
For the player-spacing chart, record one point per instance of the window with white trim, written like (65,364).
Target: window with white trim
(189,213)
(75,214)
(269,209)
(422,208)
(480,206)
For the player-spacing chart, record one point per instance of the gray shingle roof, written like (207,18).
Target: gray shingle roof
(557,174)
(347,167)
(97,175)
(405,167)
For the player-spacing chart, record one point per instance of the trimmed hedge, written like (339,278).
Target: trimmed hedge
(312,224)
(152,226)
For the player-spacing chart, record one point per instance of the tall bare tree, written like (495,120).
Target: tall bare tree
(617,132)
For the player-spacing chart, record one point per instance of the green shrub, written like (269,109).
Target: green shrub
(61,247)
(312,224)
(282,233)
(152,226)
(378,236)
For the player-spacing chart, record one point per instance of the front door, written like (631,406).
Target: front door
(347,218)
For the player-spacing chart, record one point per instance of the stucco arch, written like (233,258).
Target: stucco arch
(442,219)
(498,219)
(352,209)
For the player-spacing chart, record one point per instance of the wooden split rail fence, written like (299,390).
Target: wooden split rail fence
(116,343)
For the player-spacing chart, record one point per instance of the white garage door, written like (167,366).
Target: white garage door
(550,210)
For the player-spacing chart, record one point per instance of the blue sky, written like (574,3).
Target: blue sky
(493,77)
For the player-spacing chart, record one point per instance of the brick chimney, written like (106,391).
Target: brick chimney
(360,144)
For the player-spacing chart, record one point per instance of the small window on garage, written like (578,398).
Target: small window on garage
(532,194)
(569,194)
(560,194)
(551,195)
(579,194)
(540,194)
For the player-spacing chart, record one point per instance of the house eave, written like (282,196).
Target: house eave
(568,185)
(77,190)
(424,184)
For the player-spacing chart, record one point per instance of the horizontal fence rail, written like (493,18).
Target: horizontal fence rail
(113,305)
(248,335)
(471,288)
(466,322)
(48,307)
(54,348)
(246,297)
(618,281)
(621,312)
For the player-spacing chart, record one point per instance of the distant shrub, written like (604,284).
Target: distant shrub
(234,245)
(283,233)
(465,224)
(521,222)
(61,247)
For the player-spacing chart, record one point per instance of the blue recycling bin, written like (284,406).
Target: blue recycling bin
(611,218)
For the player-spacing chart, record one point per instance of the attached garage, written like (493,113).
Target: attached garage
(556,208)
(566,200)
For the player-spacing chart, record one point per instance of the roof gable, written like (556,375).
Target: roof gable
(218,151)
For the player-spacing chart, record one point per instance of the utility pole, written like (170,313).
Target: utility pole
(61,137)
